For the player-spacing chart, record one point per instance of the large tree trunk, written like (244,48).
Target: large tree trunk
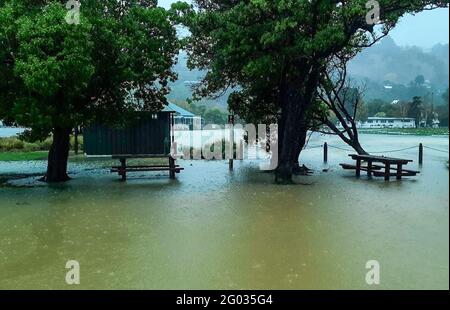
(301,144)
(290,146)
(58,156)
(358,148)
(352,139)
(297,98)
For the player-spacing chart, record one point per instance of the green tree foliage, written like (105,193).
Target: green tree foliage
(216,117)
(443,110)
(419,80)
(56,75)
(415,109)
(273,52)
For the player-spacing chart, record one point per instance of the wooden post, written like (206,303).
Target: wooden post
(172,123)
(420,154)
(369,168)
(76,140)
(231,123)
(241,149)
(172,167)
(387,173)
(123,169)
(268,140)
(325,152)
(399,171)
(358,168)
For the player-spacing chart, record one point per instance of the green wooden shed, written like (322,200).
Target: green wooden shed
(150,136)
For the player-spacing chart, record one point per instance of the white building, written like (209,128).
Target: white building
(184,118)
(389,122)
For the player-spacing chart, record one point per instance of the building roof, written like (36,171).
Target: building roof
(392,118)
(179,111)
(169,108)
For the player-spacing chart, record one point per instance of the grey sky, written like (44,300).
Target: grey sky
(424,29)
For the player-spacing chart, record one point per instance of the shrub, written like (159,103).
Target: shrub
(9,144)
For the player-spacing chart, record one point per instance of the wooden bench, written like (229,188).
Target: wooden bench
(123,169)
(353,167)
(384,170)
(415,172)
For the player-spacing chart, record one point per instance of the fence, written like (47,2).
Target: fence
(326,146)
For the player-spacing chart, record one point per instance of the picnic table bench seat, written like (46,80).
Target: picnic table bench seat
(122,170)
(353,167)
(388,167)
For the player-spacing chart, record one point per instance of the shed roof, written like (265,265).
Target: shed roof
(392,118)
(171,107)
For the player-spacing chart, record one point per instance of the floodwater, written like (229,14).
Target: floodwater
(215,229)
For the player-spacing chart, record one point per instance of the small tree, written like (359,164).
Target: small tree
(443,110)
(419,80)
(344,102)
(415,110)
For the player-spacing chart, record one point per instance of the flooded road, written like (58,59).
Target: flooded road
(215,229)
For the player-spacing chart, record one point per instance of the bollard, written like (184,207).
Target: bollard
(76,140)
(420,154)
(123,169)
(231,160)
(325,152)
(241,149)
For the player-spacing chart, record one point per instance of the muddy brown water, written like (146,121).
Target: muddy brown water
(215,229)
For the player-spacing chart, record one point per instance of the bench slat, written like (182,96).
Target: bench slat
(404,174)
(145,169)
(379,171)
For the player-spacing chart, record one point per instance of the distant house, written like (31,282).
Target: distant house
(389,122)
(184,118)
(435,123)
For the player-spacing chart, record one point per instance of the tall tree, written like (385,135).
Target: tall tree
(344,101)
(415,110)
(419,80)
(443,110)
(57,74)
(273,52)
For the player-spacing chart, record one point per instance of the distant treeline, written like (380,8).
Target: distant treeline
(211,115)
(421,108)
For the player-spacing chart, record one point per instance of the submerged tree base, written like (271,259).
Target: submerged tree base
(59,179)
(303,170)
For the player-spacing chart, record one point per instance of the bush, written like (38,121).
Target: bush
(12,144)
(9,144)
(80,142)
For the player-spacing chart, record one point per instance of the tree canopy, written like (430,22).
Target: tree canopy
(55,75)
(274,53)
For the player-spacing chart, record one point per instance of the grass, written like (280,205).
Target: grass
(18,156)
(14,149)
(408,131)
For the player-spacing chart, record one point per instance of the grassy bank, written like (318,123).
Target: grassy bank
(18,156)
(407,131)
(14,149)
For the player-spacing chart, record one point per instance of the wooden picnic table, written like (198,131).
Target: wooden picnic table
(372,169)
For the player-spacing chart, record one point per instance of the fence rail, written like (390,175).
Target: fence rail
(421,148)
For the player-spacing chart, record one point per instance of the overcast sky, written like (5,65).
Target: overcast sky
(424,29)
